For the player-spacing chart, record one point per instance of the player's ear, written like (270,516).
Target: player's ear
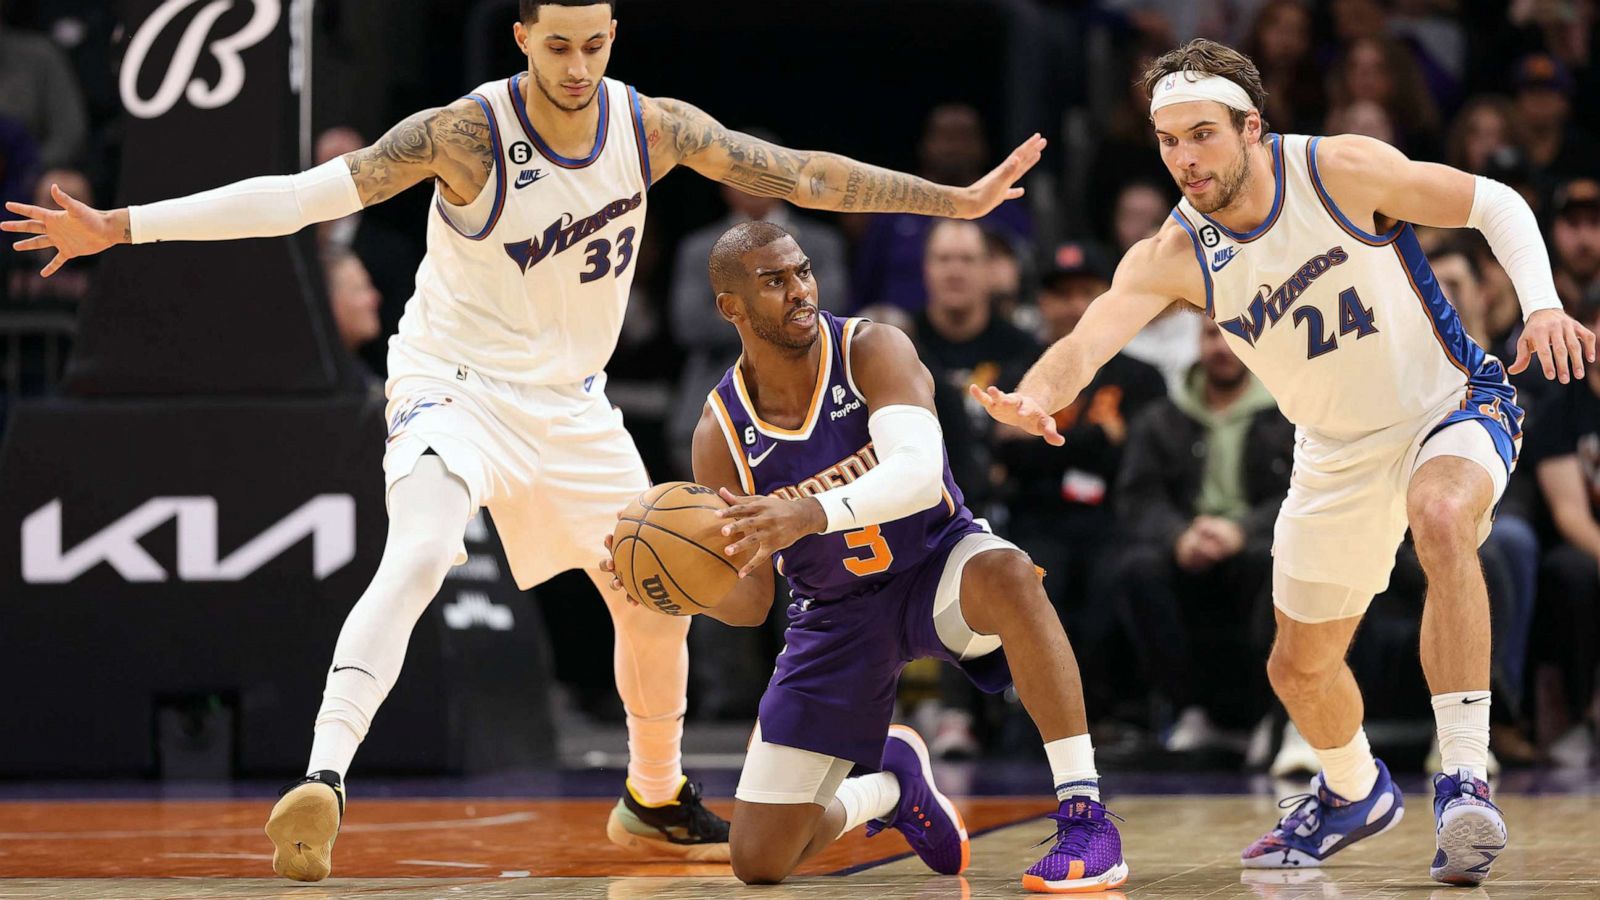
(729,306)
(520,33)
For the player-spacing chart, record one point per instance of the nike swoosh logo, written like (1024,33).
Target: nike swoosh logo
(757,460)
(1222,258)
(356,668)
(527,178)
(1473,699)
(847,505)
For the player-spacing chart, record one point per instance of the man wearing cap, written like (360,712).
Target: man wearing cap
(1557,148)
(1576,234)
(1301,249)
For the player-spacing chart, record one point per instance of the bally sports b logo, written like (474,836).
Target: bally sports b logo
(179,80)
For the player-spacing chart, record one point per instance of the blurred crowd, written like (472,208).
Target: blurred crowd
(1154,521)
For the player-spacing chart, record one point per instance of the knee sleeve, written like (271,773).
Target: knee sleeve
(1313,602)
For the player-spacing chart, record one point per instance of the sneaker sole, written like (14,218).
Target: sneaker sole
(915,741)
(1474,836)
(1291,858)
(303,826)
(1113,877)
(618,833)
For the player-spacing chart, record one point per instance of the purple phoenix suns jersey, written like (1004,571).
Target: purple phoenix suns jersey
(830,448)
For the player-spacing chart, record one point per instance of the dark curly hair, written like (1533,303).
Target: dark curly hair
(1212,58)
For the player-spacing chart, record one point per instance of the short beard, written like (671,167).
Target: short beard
(1232,184)
(772,333)
(545,90)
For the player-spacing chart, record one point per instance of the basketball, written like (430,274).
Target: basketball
(668,549)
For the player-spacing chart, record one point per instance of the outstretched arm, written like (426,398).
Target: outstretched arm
(450,143)
(1152,275)
(1368,176)
(680,133)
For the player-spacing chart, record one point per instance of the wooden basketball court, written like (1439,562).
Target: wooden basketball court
(1179,846)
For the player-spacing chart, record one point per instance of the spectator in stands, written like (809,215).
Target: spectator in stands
(1382,71)
(1124,152)
(388,255)
(353,299)
(1482,130)
(1280,45)
(1457,272)
(953,150)
(1564,448)
(1557,147)
(1203,475)
(1170,342)
(709,345)
(1061,499)
(38,89)
(1361,117)
(1575,234)
(1140,209)
(1005,281)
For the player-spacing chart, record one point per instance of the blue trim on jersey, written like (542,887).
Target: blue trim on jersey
(638,134)
(1199,257)
(1277,198)
(1334,210)
(544,149)
(499,182)
(1466,355)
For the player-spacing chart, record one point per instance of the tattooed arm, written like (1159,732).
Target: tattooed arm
(451,143)
(679,133)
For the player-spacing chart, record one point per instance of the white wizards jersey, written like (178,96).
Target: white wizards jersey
(528,283)
(1347,329)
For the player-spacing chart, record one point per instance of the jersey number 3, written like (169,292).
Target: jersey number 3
(1353,316)
(599,258)
(871,538)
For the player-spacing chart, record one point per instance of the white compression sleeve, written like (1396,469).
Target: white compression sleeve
(909,476)
(258,207)
(1513,234)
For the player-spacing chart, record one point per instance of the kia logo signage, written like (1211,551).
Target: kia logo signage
(328,519)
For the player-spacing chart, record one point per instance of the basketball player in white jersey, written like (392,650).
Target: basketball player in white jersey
(496,389)
(1300,249)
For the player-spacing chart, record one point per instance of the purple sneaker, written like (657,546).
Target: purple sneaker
(927,818)
(1470,830)
(1322,823)
(1087,855)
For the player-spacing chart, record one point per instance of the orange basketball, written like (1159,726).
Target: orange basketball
(668,549)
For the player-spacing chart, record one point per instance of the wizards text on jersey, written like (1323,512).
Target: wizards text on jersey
(564,232)
(1269,305)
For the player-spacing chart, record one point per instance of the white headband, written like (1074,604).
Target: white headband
(1198,86)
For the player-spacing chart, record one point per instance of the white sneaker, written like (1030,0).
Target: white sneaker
(1574,749)
(1295,757)
(1435,763)
(1194,731)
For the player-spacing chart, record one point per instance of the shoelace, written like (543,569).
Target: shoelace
(1455,786)
(1305,808)
(702,821)
(1073,833)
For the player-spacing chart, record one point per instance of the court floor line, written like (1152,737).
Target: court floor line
(352,828)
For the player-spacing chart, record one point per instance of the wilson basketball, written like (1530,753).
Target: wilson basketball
(668,549)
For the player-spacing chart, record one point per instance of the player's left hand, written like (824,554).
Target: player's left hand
(609,566)
(1561,344)
(983,195)
(767,525)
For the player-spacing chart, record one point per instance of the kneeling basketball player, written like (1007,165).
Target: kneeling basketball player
(822,437)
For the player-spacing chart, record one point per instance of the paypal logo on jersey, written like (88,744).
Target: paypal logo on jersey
(846,409)
(566,231)
(1270,303)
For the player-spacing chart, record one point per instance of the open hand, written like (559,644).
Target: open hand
(979,199)
(1561,344)
(1018,411)
(76,229)
(767,525)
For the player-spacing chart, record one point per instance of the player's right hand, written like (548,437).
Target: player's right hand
(76,229)
(1019,411)
(608,566)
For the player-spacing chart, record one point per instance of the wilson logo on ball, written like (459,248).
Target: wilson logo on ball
(658,594)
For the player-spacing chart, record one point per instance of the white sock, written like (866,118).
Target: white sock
(655,758)
(1462,718)
(1349,771)
(1072,767)
(349,701)
(867,797)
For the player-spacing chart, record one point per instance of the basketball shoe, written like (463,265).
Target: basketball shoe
(683,828)
(1322,823)
(303,825)
(1469,828)
(1087,855)
(927,818)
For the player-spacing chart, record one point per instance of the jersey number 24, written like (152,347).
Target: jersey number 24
(1353,316)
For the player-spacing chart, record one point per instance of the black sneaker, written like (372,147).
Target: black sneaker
(683,828)
(303,825)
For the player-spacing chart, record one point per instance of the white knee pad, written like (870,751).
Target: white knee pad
(774,773)
(1313,602)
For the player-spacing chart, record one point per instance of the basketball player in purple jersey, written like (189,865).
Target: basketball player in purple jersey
(823,438)
(496,389)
